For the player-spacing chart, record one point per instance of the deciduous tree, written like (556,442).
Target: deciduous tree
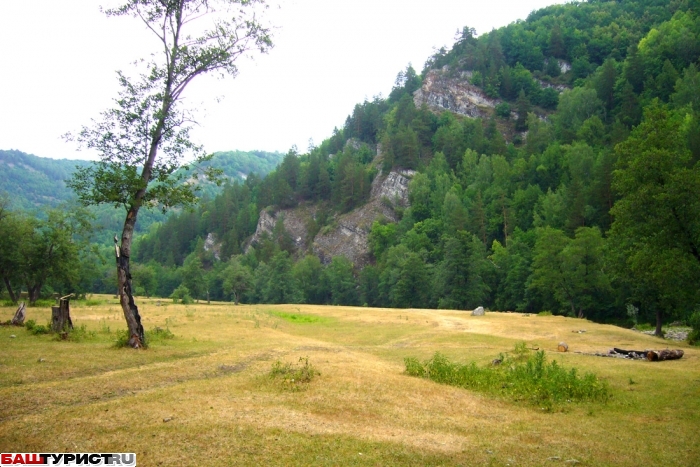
(144,139)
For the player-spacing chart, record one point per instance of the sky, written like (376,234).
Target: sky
(58,62)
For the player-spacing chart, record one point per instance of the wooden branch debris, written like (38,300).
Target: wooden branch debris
(651,355)
(20,315)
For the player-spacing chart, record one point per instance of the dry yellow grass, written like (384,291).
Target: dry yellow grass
(211,382)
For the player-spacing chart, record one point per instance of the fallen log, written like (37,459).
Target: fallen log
(627,352)
(661,355)
(20,315)
(636,354)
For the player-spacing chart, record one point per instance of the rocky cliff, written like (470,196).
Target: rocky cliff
(443,92)
(347,234)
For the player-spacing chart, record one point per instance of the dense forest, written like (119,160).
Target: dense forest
(48,242)
(575,194)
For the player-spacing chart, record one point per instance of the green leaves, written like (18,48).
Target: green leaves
(571,270)
(657,226)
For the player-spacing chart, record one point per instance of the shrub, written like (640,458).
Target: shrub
(156,334)
(37,329)
(294,376)
(503,110)
(544,313)
(77,334)
(522,377)
(122,339)
(181,294)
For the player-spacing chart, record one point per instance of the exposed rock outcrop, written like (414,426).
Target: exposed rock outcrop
(456,94)
(347,235)
(295,222)
(210,244)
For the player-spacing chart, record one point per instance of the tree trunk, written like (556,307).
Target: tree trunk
(658,332)
(20,315)
(661,355)
(60,316)
(137,338)
(33,293)
(13,297)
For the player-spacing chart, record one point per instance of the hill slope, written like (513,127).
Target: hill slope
(34,183)
(528,141)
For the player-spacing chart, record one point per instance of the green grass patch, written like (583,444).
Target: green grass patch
(522,377)
(300,318)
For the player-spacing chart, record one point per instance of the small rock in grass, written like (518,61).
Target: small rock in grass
(167,419)
(12,336)
(41,360)
(479,311)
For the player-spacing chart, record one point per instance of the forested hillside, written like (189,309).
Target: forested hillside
(557,170)
(48,242)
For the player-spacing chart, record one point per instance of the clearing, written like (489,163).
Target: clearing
(205,397)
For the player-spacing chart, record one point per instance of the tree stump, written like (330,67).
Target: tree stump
(20,315)
(60,316)
(562,347)
(661,355)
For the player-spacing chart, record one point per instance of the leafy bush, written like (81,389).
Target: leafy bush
(544,313)
(156,334)
(181,294)
(122,339)
(37,329)
(77,334)
(525,377)
(503,110)
(294,376)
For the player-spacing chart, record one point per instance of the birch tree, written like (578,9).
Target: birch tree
(144,139)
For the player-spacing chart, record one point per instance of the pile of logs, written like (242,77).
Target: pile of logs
(651,355)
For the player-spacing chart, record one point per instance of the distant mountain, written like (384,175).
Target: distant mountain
(238,165)
(34,183)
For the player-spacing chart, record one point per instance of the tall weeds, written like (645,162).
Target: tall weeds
(522,377)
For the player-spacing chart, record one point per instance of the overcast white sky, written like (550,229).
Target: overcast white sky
(58,62)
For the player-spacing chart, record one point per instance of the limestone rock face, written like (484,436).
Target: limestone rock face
(294,221)
(441,92)
(348,233)
(557,87)
(393,187)
(266,224)
(210,244)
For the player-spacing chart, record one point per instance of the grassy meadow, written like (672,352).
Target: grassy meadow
(206,396)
